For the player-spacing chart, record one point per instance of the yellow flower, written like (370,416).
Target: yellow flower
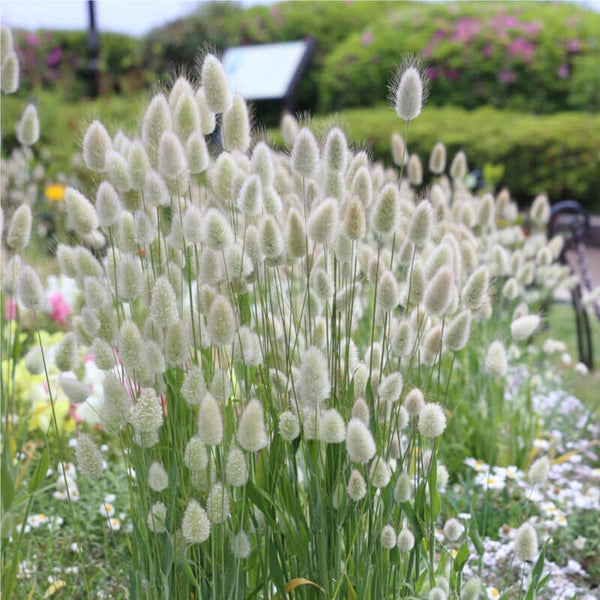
(55,192)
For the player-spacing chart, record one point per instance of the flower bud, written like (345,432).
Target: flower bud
(305,153)
(19,230)
(251,435)
(89,458)
(29,289)
(357,488)
(195,526)
(495,361)
(359,442)
(28,129)
(236,126)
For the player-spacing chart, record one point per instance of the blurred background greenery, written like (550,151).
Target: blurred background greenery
(514,84)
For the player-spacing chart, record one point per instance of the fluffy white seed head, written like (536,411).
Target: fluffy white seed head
(29,289)
(432,421)
(453,529)
(289,426)
(539,470)
(331,427)
(250,198)
(207,117)
(322,222)
(406,540)
(399,153)
(19,230)
(354,220)
(385,216)
(163,303)
(420,224)
(456,335)
(156,192)
(195,526)
(526,543)
(215,86)
(475,291)
(10,275)
(410,91)
(379,472)
(81,212)
(116,405)
(221,322)
(10,73)
(415,170)
(96,144)
(117,169)
(402,339)
(108,207)
(210,422)
(295,235)
(186,114)
(171,156)
(495,361)
(540,210)
(359,442)
(289,130)
(437,159)
(336,150)
(176,345)
(458,168)
(471,590)
(217,504)
(28,128)
(305,153)
(388,537)
(438,292)
(403,488)
(523,327)
(387,292)
(362,186)
(251,435)
(131,347)
(196,153)
(158,480)
(390,387)
(137,165)
(357,488)
(217,232)
(236,468)
(236,126)
(157,517)
(193,388)
(66,354)
(89,458)
(195,457)
(414,402)
(314,385)
(360,410)
(271,240)
(157,120)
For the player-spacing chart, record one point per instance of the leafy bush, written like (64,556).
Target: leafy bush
(58,60)
(540,57)
(554,153)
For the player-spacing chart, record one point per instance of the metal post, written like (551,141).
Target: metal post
(93,51)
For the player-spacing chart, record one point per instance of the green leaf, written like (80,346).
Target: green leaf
(7,480)
(245,312)
(475,538)
(40,472)
(461,557)
(536,574)
(275,570)
(166,561)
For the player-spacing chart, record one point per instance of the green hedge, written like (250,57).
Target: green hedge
(540,57)
(558,154)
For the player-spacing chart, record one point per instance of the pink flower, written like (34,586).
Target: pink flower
(574,45)
(432,73)
(521,47)
(10,309)
(563,71)
(367,38)
(487,50)
(54,56)
(32,39)
(532,28)
(506,76)
(60,310)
